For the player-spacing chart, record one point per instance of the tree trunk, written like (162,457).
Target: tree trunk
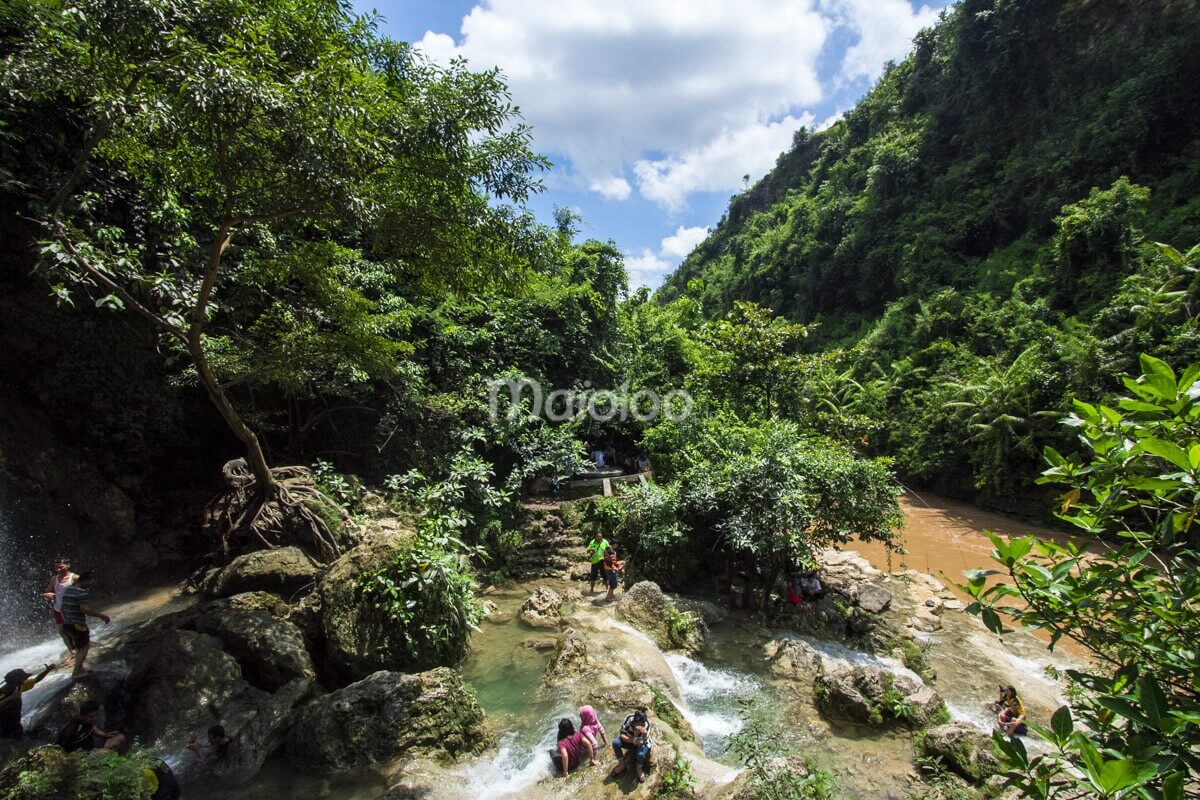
(772,575)
(263,478)
(195,345)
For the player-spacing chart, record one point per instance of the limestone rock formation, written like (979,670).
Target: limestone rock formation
(645,607)
(541,609)
(349,626)
(961,748)
(385,716)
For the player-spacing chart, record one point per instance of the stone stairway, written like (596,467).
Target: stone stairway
(550,548)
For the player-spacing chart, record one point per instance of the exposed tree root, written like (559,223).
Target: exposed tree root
(244,518)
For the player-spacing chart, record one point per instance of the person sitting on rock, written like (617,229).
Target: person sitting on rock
(612,571)
(81,734)
(590,727)
(810,585)
(215,748)
(1010,714)
(16,683)
(572,746)
(634,737)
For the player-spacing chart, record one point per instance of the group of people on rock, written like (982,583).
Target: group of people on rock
(70,598)
(575,747)
(605,566)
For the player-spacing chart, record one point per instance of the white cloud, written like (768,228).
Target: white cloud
(886,29)
(646,268)
(675,96)
(683,241)
(610,82)
(719,164)
(613,187)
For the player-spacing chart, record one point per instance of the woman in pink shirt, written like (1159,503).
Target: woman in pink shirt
(572,747)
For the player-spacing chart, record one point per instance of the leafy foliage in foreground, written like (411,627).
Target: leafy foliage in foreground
(1131,602)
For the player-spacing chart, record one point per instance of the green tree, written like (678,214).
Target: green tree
(207,125)
(1131,603)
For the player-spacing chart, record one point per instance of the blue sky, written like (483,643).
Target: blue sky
(653,110)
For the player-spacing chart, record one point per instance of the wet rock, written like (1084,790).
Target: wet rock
(387,715)
(185,682)
(285,571)
(621,698)
(646,607)
(870,694)
(793,658)
(572,659)
(872,598)
(270,650)
(355,641)
(926,621)
(541,645)
(541,609)
(961,748)
(953,605)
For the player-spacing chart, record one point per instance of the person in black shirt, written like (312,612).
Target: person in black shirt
(16,683)
(82,734)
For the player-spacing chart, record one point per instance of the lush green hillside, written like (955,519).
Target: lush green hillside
(999,192)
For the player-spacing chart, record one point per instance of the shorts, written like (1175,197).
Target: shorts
(78,636)
(58,618)
(613,578)
(597,571)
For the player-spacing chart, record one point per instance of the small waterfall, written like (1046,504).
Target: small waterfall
(518,763)
(712,699)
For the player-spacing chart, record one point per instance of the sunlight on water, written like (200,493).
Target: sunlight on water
(712,699)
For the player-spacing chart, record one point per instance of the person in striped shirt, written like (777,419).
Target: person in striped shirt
(75,611)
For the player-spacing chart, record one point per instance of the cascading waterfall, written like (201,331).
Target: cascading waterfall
(24,569)
(712,699)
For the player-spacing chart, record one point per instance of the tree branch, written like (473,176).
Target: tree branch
(108,283)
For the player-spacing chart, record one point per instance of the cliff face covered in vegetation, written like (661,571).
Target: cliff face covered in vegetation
(979,232)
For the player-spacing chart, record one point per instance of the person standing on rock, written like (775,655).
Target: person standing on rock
(75,611)
(634,737)
(60,580)
(16,683)
(595,550)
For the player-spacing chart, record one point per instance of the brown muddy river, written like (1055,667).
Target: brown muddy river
(945,537)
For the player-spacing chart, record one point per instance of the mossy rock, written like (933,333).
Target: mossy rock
(960,748)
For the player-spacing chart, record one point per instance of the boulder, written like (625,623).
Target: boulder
(286,571)
(793,658)
(872,598)
(385,716)
(961,748)
(870,694)
(270,650)
(185,682)
(646,607)
(572,659)
(541,609)
(354,638)
(181,682)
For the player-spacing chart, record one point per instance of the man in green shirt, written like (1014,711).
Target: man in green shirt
(595,551)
